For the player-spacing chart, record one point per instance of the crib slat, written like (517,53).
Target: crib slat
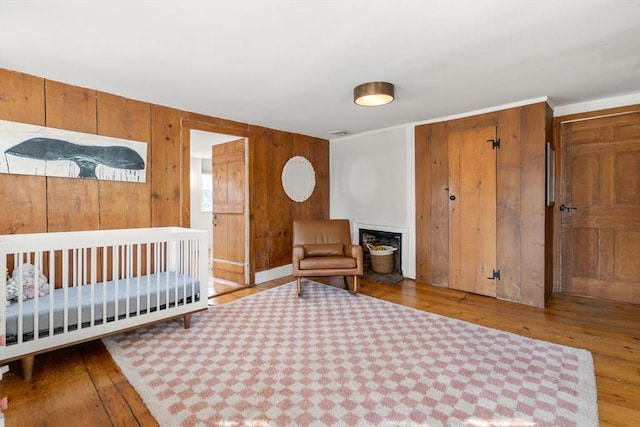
(177,250)
(37,262)
(116,276)
(93,280)
(127,266)
(148,281)
(65,287)
(105,263)
(52,287)
(167,278)
(3,297)
(16,262)
(138,275)
(157,270)
(77,282)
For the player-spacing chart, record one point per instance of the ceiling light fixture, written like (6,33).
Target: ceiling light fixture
(373,94)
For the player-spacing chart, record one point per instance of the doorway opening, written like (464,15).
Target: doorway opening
(209,207)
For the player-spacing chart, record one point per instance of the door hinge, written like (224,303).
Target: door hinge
(496,275)
(495,143)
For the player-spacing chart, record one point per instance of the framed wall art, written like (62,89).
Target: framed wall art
(38,150)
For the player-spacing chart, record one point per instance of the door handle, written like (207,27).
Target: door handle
(564,207)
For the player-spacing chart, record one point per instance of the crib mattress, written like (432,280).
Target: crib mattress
(151,292)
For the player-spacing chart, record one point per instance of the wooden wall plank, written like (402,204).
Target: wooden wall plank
(70,107)
(23,207)
(280,206)
(532,230)
(125,204)
(72,206)
(423,202)
(22,97)
(439,227)
(316,150)
(509,188)
(259,193)
(72,203)
(167,167)
(185,177)
(280,210)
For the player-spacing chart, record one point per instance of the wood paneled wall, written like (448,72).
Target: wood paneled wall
(40,204)
(523,242)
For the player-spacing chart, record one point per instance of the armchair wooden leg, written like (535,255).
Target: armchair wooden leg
(346,282)
(355,285)
(299,285)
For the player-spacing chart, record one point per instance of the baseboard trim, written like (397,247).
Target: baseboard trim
(274,273)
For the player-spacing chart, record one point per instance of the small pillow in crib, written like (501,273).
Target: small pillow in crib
(28,281)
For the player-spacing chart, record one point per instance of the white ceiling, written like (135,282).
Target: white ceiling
(292,65)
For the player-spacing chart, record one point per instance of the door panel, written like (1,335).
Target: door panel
(627,185)
(472,211)
(601,238)
(229,222)
(228,182)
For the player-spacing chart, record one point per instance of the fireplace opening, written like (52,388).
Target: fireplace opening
(376,238)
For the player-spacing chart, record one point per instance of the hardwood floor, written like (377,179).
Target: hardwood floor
(82,386)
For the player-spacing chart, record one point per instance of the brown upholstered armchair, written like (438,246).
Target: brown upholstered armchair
(324,248)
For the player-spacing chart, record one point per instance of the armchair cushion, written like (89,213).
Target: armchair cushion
(328,263)
(323,250)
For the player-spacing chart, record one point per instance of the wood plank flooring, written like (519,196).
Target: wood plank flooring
(82,386)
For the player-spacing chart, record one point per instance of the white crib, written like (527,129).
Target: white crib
(99,283)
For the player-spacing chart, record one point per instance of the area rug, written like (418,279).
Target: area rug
(332,358)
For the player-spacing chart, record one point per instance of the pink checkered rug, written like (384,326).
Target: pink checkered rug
(332,358)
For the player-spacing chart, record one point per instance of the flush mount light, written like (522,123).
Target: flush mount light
(373,94)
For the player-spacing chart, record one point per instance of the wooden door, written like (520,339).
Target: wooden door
(600,203)
(229,223)
(472,211)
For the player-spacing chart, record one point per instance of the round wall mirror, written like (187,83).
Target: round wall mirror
(298,178)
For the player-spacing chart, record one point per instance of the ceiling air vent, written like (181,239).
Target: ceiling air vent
(339,132)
